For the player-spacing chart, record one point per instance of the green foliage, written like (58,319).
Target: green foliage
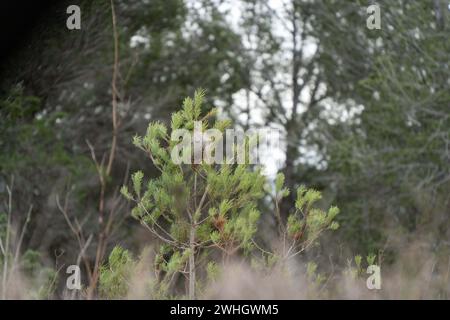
(311,269)
(48,278)
(212,270)
(279,183)
(40,280)
(386,167)
(115,275)
(3,224)
(202,208)
(357,270)
(28,266)
(17,106)
(371,259)
(390,160)
(31,141)
(192,208)
(358,260)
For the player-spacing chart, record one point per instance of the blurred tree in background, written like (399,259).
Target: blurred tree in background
(397,150)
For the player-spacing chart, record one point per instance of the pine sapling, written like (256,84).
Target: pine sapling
(198,208)
(304,226)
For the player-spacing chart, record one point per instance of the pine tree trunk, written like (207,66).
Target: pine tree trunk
(192,264)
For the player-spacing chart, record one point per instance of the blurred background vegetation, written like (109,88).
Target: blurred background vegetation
(365,114)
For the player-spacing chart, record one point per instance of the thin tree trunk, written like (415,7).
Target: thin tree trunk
(192,263)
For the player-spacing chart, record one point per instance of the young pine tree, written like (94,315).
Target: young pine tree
(194,209)
(304,226)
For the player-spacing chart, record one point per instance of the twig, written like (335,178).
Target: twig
(6,248)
